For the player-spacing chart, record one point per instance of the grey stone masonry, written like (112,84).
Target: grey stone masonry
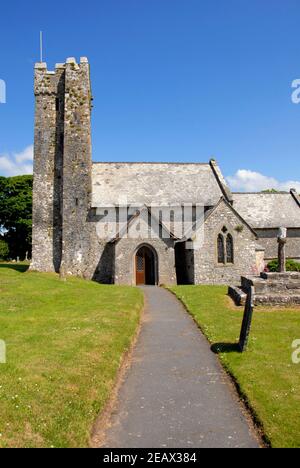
(72,199)
(77,168)
(207,267)
(62,168)
(268,239)
(266,212)
(270,289)
(48,157)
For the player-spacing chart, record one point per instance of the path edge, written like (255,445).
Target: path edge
(254,421)
(101,424)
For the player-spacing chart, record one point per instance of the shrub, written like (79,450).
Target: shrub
(291,265)
(4,250)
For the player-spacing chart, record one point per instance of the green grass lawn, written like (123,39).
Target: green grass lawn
(265,373)
(65,341)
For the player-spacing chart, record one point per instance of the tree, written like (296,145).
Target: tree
(272,190)
(16,214)
(4,250)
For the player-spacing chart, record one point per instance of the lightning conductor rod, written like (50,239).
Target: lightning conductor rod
(41,46)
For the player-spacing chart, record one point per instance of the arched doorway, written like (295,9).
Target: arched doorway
(146,266)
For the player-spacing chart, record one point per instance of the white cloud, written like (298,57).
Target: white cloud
(12,164)
(249,181)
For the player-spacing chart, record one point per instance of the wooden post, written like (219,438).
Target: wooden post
(247,320)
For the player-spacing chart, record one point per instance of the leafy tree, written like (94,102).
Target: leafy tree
(16,214)
(270,191)
(4,250)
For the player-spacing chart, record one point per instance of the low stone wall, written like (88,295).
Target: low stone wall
(267,238)
(270,289)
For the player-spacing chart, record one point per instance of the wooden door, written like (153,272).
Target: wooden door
(140,268)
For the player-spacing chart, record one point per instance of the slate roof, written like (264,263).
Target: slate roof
(155,184)
(268,210)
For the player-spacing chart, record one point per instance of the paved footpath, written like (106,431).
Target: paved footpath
(175,393)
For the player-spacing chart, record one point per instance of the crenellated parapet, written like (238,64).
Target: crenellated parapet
(46,82)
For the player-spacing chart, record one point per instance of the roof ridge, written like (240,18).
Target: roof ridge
(154,162)
(225,189)
(261,193)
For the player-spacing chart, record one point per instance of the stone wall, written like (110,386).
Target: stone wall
(48,157)
(268,239)
(125,251)
(64,237)
(77,167)
(141,231)
(207,268)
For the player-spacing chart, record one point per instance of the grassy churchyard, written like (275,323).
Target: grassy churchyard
(65,341)
(64,344)
(267,378)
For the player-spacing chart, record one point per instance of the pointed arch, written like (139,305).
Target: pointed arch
(146,265)
(225,247)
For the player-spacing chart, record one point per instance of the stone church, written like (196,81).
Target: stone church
(139,223)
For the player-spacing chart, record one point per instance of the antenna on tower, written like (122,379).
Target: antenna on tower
(41,46)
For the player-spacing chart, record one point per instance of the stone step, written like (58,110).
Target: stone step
(270,285)
(269,289)
(289,275)
(277,299)
(238,295)
(274,287)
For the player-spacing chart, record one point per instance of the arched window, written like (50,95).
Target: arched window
(229,249)
(225,247)
(221,249)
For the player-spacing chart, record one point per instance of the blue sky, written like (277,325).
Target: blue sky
(173,80)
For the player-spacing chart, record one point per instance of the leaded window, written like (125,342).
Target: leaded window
(140,262)
(221,249)
(229,248)
(225,247)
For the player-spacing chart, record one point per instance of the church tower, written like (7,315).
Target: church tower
(62,167)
